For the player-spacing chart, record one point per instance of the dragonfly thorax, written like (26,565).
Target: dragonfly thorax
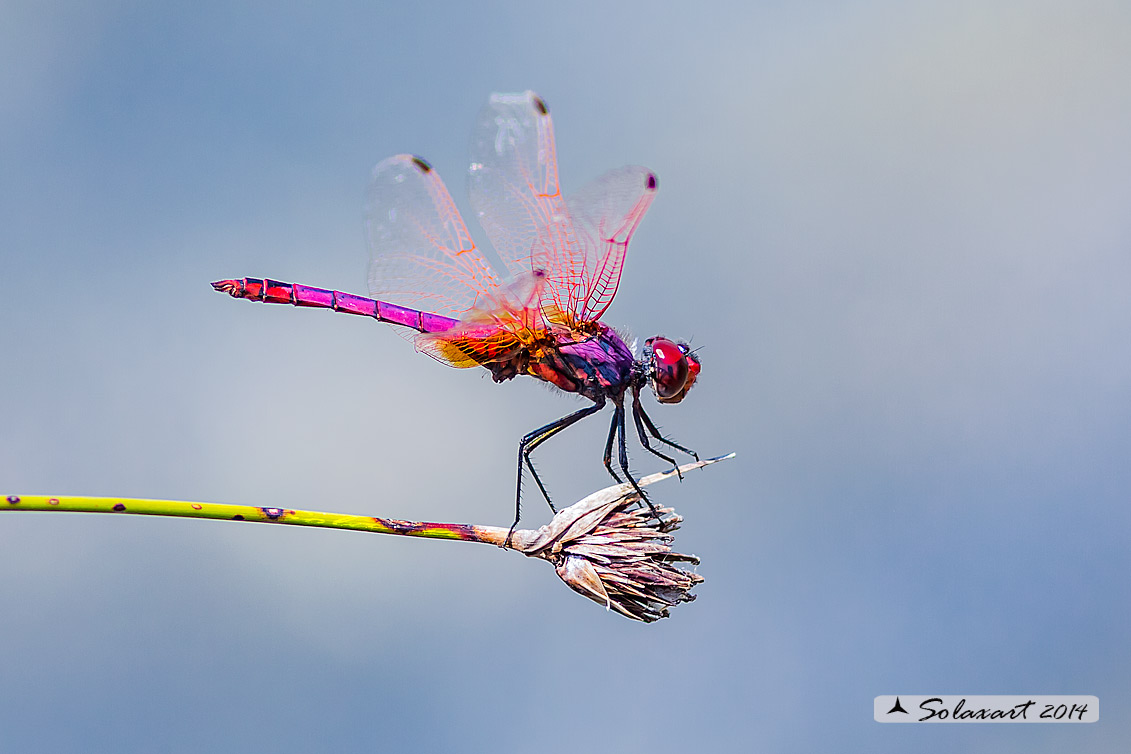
(597,367)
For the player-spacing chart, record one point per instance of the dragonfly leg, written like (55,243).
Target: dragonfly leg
(527,445)
(637,410)
(624,461)
(608,458)
(656,433)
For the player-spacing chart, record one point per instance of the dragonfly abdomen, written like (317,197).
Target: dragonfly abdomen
(274,292)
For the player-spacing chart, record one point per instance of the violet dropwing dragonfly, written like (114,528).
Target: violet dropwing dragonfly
(540,315)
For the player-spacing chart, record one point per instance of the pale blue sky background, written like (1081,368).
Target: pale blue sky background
(901,233)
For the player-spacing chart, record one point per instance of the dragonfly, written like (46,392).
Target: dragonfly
(537,310)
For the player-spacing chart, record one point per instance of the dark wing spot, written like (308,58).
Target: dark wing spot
(13,499)
(238,517)
(651,183)
(422,164)
(119,507)
(540,106)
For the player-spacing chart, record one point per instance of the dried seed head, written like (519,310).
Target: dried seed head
(626,563)
(616,553)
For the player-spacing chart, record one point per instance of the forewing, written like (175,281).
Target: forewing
(580,246)
(513,187)
(605,214)
(421,254)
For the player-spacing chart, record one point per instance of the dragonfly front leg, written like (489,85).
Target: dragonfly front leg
(637,415)
(637,406)
(624,461)
(529,443)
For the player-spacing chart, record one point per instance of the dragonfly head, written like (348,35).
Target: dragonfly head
(672,368)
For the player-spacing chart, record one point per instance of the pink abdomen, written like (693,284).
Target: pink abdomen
(274,292)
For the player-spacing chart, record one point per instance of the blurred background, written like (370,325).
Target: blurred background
(899,232)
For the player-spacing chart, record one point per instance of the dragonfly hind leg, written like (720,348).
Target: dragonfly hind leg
(529,443)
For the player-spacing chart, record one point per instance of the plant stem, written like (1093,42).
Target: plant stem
(144,507)
(493,535)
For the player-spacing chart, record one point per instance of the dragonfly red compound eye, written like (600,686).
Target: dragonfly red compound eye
(669,369)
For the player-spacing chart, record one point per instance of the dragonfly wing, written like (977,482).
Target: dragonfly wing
(421,254)
(513,186)
(469,345)
(578,245)
(503,323)
(605,214)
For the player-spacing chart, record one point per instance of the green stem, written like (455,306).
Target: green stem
(492,535)
(181,509)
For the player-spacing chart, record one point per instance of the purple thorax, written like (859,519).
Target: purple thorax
(600,365)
